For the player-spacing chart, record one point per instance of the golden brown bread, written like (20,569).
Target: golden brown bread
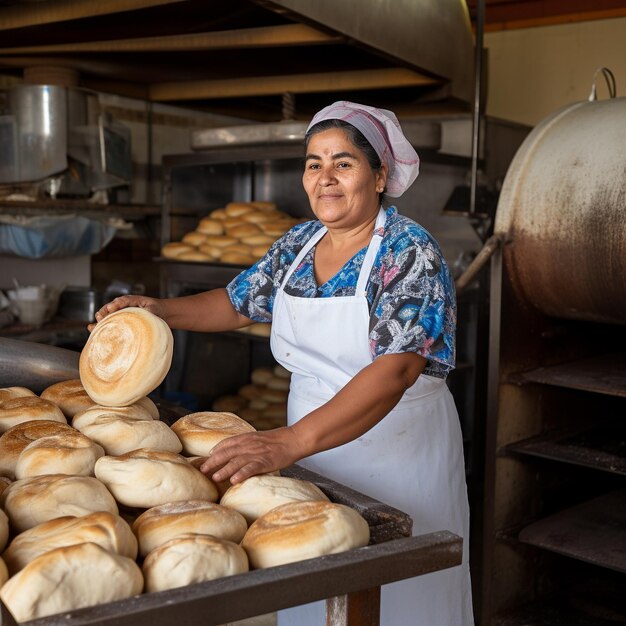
(147,478)
(67,452)
(237,258)
(261,375)
(210,226)
(69,395)
(132,411)
(31,501)
(126,357)
(192,558)
(26,409)
(109,531)
(4,529)
(14,440)
(161,523)
(8,393)
(70,578)
(257,495)
(194,238)
(194,255)
(200,432)
(237,209)
(174,249)
(303,530)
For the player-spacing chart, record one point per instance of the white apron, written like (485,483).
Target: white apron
(411,460)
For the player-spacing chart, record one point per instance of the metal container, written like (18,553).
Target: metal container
(80,303)
(562,212)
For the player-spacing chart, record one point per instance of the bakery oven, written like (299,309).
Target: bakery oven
(555,442)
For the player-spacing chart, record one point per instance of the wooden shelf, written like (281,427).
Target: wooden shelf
(593,532)
(604,374)
(602,447)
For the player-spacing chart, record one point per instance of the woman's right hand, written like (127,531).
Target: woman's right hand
(154,305)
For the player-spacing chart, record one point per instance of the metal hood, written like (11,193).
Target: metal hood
(242,57)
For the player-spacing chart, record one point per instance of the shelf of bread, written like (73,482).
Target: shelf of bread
(103,503)
(262,402)
(238,234)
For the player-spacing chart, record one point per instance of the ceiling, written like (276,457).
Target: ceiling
(265,59)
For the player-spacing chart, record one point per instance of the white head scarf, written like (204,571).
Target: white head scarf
(382,129)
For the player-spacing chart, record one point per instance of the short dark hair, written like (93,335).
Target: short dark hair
(354,135)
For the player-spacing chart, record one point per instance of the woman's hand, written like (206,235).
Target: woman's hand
(153,305)
(239,457)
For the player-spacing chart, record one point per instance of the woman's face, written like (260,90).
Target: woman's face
(342,187)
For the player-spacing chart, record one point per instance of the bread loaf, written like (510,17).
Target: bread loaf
(244,229)
(236,258)
(4,573)
(257,495)
(218,214)
(303,530)
(220,241)
(107,530)
(5,481)
(194,255)
(131,412)
(148,404)
(8,393)
(31,501)
(192,558)
(70,578)
(69,395)
(237,209)
(126,357)
(159,524)
(27,409)
(14,440)
(210,226)
(261,375)
(174,249)
(147,478)
(118,434)
(200,432)
(194,238)
(228,404)
(68,452)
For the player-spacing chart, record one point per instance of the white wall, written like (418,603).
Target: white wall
(534,71)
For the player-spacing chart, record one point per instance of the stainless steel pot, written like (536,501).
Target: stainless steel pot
(80,303)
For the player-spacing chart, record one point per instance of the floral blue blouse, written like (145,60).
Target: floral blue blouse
(410,290)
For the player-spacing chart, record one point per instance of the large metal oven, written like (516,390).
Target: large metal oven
(554,541)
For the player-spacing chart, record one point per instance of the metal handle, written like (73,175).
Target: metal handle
(610,83)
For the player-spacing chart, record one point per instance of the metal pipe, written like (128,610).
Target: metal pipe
(477,117)
(490,246)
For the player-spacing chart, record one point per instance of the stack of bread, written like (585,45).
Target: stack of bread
(97,504)
(240,234)
(262,402)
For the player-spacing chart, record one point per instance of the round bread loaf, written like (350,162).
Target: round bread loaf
(214,252)
(303,530)
(260,251)
(210,226)
(194,238)
(236,258)
(237,209)
(221,241)
(192,558)
(257,495)
(174,249)
(258,240)
(274,395)
(244,229)
(277,382)
(258,404)
(4,529)
(14,440)
(131,412)
(222,486)
(28,409)
(218,214)
(126,357)
(147,478)
(109,531)
(31,501)
(275,411)
(67,452)
(276,228)
(261,375)
(8,393)
(252,391)
(200,432)
(69,578)
(257,217)
(69,395)
(118,434)
(161,523)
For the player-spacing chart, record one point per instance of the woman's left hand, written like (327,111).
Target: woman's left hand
(241,456)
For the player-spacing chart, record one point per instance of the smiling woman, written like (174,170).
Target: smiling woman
(363,315)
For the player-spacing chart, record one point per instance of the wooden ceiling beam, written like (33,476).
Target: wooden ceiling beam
(37,13)
(265,37)
(299,83)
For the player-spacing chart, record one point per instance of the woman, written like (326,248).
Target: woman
(363,314)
